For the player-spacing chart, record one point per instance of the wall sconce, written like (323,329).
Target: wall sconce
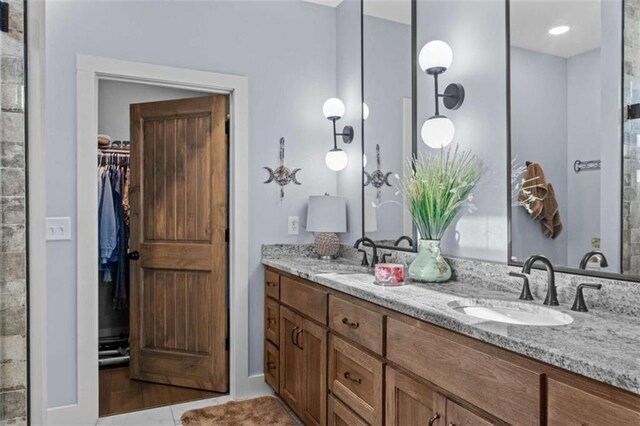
(434,59)
(336,159)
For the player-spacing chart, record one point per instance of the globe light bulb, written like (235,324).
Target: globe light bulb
(336,159)
(435,57)
(365,111)
(333,108)
(438,132)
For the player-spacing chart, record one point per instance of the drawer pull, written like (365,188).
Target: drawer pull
(293,335)
(451,424)
(272,320)
(353,325)
(347,375)
(433,418)
(297,339)
(271,366)
(270,284)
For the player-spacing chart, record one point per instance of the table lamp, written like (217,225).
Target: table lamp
(327,215)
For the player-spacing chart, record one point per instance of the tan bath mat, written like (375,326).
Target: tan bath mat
(265,410)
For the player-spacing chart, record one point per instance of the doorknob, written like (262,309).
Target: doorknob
(134,255)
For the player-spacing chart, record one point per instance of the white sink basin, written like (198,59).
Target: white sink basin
(510,312)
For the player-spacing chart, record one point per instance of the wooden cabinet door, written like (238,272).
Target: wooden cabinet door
(291,367)
(314,355)
(178,221)
(460,416)
(410,402)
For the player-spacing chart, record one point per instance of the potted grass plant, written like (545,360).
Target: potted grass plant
(437,187)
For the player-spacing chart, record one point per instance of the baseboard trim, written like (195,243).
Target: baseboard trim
(257,387)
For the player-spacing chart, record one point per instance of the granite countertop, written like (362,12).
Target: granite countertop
(599,344)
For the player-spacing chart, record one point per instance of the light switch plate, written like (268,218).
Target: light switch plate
(58,228)
(293,227)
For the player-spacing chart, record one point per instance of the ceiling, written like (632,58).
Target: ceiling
(532,19)
(392,10)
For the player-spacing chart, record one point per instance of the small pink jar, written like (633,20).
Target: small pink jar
(389,274)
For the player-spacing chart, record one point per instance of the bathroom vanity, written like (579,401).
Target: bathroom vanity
(340,350)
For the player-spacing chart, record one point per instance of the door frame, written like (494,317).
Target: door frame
(89,71)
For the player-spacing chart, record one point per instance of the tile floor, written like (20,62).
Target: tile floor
(167,416)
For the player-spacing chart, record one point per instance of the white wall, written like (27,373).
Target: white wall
(539,135)
(287,50)
(475,30)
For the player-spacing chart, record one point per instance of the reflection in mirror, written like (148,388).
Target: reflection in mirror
(565,70)
(388,125)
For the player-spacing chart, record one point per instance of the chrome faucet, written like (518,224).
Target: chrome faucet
(405,238)
(552,294)
(594,253)
(371,244)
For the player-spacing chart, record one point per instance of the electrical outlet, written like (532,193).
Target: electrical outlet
(294,225)
(58,228)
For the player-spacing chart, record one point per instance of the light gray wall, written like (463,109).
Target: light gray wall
(611,171)
(475,32)
(287,50)
(584,114)
(387,80)
(539,135)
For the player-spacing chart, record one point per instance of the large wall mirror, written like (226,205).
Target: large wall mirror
(387,119)
(574,168)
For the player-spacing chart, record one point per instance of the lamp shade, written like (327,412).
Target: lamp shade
(326,213)
(435,56)
(370,215)
(336,159)
(333,108)
(438,131)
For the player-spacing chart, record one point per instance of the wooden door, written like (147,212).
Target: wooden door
(314,365)
(410,402)
(291,370)
(178,224)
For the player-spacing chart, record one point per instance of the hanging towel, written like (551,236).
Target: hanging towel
(551,222)
(534,190)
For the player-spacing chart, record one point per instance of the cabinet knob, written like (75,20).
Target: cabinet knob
(270,284)
(350,324)
(272,320)
(433,418)
(347,375)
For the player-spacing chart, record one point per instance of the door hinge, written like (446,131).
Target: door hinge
(226,343)
(226,126)
(226,235)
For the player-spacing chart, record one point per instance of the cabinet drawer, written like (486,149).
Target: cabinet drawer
(357,323)
(341,415)
(307,300)
(568,405)
(459,416)
(272,320)
(499,387)
(271,284)
(272,366)
(356,379)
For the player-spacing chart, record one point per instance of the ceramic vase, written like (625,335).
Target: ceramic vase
(429,266)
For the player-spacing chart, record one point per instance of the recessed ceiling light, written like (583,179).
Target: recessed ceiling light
(560,29)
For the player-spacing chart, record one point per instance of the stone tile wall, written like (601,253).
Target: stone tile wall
(13,283)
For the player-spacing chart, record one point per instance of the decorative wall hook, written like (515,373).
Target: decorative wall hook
(281,174)
(377,178)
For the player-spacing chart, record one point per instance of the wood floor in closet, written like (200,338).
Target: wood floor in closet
(119,394)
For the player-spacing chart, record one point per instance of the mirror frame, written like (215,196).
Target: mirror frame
(414,113)
(563,269)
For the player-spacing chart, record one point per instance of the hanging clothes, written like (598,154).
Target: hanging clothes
(113,224)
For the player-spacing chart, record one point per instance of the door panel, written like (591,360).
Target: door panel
(410,402)
(178,221)
(291,369)
(314,354)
